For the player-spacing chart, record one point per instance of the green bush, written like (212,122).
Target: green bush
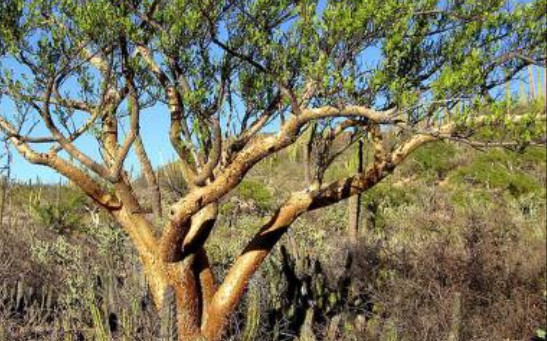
(383,197)
(434,160)
(62,215)
(386,194)
(255,191)
(533,157)
(226,207)
(466,196)
(498,155)
(497,169)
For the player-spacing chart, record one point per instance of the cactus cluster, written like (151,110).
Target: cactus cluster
(305,302)
(23,301)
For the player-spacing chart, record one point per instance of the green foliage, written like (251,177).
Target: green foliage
(226,208)
(63,252)
(387,194)
(466,196)
(62,215)
(496,169)
(255,191)
(533,158)
(10,13)
(435,159)
(520,122)
(428,49)
(382,199)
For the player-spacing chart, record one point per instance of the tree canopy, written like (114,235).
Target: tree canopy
(242,80)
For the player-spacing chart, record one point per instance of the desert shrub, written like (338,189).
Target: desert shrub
(389,195)
(226,208)
(466,255)
(302,295)
(255,191)
(534,156)
(434,161)
(68,259)
(379,200)
(170,180)
(497,169)
(467,196)
(533,161)
(62,215)
(415,286)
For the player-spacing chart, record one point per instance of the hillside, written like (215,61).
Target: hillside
(452,246)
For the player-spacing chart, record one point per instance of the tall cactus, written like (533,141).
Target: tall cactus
(309,300)
(252,321)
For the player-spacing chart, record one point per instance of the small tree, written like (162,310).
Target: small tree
(78,72)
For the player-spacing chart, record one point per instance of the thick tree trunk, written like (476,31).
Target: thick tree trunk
(190,281)
(202,311)
(232,289)
(139,231)
(234,285)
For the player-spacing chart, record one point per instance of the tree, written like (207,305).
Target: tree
(227,72)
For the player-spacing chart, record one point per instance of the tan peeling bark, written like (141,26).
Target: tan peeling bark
(138,230)
(150,176)
(233,174)
(232,289)
(170,249)
(200,229)
(183,281)
(207,283)
(203,310)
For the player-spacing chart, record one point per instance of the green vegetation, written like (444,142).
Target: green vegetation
(256,192)
(434,160)
(64,214)
(498,169)
(432,233)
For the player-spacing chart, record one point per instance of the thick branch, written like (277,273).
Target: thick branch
(182,211)
(92,188)
(150,176)
(232,289)
(175,108)
(117,166)
(64,142)
(214,156)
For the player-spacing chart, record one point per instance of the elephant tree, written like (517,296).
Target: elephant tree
(229,73)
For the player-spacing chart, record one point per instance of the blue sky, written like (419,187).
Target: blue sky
(154,129)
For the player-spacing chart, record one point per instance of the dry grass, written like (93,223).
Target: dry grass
(441,256)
